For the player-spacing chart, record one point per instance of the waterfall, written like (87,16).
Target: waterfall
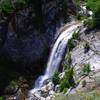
(56,54)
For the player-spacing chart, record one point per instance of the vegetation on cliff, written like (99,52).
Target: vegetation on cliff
(94,5)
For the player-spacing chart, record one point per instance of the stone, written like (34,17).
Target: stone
(44,88)
(11,89)
(42,98)
(48,98)
(51,92)
(37,95)
(61,75)
(57,88)
(50,86)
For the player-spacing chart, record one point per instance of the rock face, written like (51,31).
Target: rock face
(22,45)
(93,55)
(79,58)
(45,93)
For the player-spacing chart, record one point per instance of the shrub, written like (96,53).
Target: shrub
(94,5)
(65,90)
(64,84)
(70,44)
(68,80)
(89,23)
(75,35)
(86,69)
(56,79)
(8,6)
(67,62)
(1,98)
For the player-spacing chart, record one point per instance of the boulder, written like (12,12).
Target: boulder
(11,89)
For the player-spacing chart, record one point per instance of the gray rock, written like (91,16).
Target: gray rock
(57,88)
(11,89)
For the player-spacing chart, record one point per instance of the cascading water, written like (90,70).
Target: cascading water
(56,55)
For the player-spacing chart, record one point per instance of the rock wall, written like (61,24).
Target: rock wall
(23,46)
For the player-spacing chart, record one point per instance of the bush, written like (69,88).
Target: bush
(8,6)
(89,23)
(68,80)
(56,79)
(68,61)
(94,5)
(70,44)
(86,69)
(1,98)
(75,35)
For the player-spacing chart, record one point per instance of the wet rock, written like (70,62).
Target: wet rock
(48,98)
(11,89)
(57,88)
(51,92)
(24,24)
(61,75)
(43,98)
(50,86)
(3,32)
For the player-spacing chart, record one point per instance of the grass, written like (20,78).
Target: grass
(94,95)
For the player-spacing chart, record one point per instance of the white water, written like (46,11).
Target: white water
(56,55)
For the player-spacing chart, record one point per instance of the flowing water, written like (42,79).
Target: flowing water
(56,54)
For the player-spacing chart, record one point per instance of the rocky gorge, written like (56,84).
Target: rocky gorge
(27,38)
(20,36)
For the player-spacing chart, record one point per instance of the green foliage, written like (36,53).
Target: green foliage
(8,6)
(13,82)
(56,79)
(93,95)
(94,5)
(70,44)
(67,80)
(83,83)
(68,60)
(65,90)
(89,23)
(86,69)
(75,35)
(1,98)
(77,2)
